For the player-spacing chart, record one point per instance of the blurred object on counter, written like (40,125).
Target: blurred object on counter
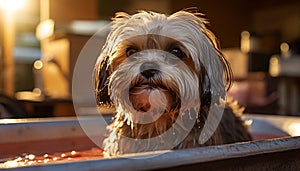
(258,48)
(61,43)
(35,95)
(286,68)
(52,72)
(60,53)
(10,107)
(254,90)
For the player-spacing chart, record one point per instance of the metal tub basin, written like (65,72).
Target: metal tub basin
(276,146)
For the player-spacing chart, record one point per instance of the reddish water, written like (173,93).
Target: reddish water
(31,159)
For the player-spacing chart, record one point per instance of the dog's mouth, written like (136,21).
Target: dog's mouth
(152,97)
(142,97)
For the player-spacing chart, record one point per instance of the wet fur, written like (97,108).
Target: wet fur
(202,68)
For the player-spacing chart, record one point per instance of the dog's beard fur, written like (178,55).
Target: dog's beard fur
(177,97)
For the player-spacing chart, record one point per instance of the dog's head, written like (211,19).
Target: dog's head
(154,63)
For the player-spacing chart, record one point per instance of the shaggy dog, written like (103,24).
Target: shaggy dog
(166,78)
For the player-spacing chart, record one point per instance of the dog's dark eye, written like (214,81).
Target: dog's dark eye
(177,52)
(130,51)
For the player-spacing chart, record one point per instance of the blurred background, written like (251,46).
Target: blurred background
(40,41)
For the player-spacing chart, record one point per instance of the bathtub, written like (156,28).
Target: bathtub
(276,146)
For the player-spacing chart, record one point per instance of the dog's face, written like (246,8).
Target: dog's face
(154,66)
(151,75)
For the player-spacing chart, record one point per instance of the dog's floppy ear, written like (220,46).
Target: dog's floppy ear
(101,74)
(102,69)
(218,70)
(215,69)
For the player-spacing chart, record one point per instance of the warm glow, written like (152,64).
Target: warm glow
(245,34)
(30,156)
(294,129)
(46,160)
(245,41)
(37,92)
(11,163)
(73,152)
(45,29)
(38,64)
(12,5)
(274,67)
(284,47)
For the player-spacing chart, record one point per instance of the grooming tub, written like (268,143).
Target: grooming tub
(276,146)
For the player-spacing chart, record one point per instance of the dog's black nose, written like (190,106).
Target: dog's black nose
(149,69)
